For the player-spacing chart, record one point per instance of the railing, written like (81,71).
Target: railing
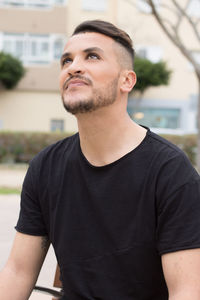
(52,292)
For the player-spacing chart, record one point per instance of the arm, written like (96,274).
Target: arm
(182,274)
(20,273)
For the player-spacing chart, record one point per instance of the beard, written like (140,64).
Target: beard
(101,98)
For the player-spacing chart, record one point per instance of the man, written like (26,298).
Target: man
(119,204)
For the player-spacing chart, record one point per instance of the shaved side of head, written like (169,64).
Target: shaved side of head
(123,56)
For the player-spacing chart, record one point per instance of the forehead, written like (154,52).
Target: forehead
(86,40)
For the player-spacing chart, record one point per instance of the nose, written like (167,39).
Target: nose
(76,67)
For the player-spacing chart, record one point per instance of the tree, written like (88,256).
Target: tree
(150,74)
(11,70)
(180,15)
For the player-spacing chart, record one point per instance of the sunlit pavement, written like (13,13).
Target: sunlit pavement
(9,210)
(12,177)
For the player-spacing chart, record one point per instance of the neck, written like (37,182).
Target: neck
(107,134)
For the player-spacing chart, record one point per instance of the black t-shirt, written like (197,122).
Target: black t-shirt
(110,225)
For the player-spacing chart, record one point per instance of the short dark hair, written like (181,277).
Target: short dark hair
(108,29)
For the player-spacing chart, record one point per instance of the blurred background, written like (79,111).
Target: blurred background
(35,31)
(166,38)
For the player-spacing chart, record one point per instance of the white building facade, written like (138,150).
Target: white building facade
(35,31)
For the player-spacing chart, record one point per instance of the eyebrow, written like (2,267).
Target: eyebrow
(87,50)
(96,49)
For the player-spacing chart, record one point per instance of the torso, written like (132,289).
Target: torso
(109,225)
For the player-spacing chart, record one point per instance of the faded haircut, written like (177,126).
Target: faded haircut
(117,34)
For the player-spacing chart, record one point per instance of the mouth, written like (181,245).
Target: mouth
(75,83)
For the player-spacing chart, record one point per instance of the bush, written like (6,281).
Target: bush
(21,147)
(11,70)
(150,74)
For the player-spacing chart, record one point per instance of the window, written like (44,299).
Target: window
(94,5)
(142,52)
(58,47)
(12,2)
(194,8)
(38,48)
(13,44)
(152,53)
(32,3)
(168,118)
(27,3)
(145,7)
(38,3)
(32,48)
(57,125)
(61,2)
(196,56)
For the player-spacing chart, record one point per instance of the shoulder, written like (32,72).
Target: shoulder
(52,158)
(163,146)
(168,155)
(172,169)
(56,151)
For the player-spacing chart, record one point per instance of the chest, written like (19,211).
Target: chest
(90,213)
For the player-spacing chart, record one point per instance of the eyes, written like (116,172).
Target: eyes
(66,61)
(93,56)
(89,56)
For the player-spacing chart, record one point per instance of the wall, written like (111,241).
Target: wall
(29,111)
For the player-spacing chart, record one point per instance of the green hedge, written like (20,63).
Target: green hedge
(22,147)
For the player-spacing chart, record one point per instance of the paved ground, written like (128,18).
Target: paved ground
(9,210)
(12,176)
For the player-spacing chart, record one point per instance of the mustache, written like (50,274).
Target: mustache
(87,80)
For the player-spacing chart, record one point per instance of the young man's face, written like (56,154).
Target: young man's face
(89,73)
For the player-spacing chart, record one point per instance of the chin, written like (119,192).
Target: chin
(72,102)
(75,96)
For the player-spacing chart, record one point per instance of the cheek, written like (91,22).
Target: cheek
(111,71)
(62,79)
(104,75)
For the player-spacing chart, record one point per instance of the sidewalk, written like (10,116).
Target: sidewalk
(12,176)
(9,210)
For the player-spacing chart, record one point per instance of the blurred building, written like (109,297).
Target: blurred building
(36,31)
(172,108)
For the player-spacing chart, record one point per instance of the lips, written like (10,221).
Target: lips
(75,83)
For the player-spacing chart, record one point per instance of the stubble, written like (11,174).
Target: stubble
(100,98)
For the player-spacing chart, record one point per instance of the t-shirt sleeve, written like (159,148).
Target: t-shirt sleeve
(178,210)
(30,217)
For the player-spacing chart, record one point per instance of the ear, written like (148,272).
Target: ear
(128,80)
